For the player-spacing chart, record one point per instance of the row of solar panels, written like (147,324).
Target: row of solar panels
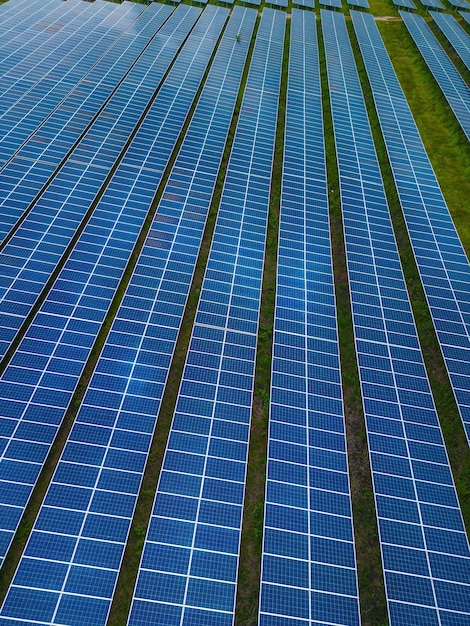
(189,567)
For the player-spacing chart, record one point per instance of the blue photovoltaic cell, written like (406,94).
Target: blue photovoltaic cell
(453,86)
(464,14)
(310,574)
(28,102)
(456,35)
(420,525)
(112,442)
(39,382)
(28,172)
(31,255)
(189,567)
(442,263)
(460,4)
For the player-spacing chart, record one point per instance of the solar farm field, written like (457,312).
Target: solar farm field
(234,313)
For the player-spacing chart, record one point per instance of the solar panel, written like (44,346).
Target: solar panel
(409,4)
(435,4)
(454,88)
(460,4)
(188,571)
(28,104)
(440,257)
(456,35)
(279,3)
(31,255)
(466,16)
(308,562)
(308,4)
(364,4)
(28,172)
(424,545)
(331,3)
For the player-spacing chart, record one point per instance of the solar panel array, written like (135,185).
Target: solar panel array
(22,179)
(189,567)
(94,99)
(308,561)
(440,257)
(98,477)
(454,88)
(37,386)
(425,549)
(456,35)
(32,254)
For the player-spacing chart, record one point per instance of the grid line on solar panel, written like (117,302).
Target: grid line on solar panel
(307,491)
(35,249)
(199,498)
(455,34)
(440,257)
(413,485)
(30,103)
(64,330)
(454,88)
(22,179)
(124,426)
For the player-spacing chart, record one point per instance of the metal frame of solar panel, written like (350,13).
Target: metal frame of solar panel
(308,562)
(456,35)
(440,257)
(98,530)
(189,568)
(424,545)
(34,103)
(454,88)
(34,164)
(36,247)
(38,384)
(465,15)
